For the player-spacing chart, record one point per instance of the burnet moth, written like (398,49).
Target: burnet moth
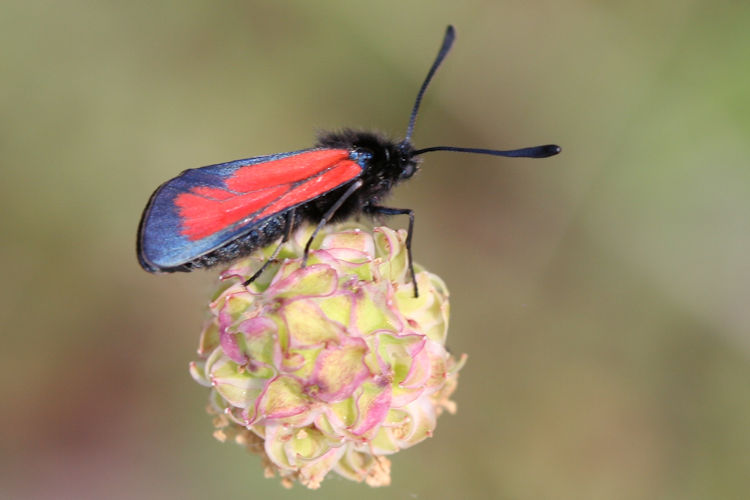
(215,214)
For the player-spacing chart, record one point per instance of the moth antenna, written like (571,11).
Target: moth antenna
(450,35)
(532,152)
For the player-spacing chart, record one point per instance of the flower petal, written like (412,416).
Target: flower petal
(308,325)
(339,370)
(373,404)
(235,384)
(311,281)
(283,397)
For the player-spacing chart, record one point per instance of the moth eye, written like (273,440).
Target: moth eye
(408,171)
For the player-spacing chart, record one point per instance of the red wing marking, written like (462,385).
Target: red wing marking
(342,172)
(262,190)
(203,216)
(285,170)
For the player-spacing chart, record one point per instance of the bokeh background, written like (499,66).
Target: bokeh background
(602,295)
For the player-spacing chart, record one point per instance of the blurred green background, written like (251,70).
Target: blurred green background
(602,295)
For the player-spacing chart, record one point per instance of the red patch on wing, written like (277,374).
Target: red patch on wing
(203,216)
(262,190)
(284,171)
(342,172)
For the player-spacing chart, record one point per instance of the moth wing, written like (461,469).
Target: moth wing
(205,208)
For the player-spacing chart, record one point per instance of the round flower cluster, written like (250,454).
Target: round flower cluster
(330,366)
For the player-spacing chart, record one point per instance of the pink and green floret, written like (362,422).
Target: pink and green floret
(332,366)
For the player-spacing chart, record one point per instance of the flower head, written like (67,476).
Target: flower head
(330,366)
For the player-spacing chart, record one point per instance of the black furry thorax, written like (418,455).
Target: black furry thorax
(382,158)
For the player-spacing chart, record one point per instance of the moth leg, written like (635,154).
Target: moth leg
(288,224)
(327,216)
(374,209)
